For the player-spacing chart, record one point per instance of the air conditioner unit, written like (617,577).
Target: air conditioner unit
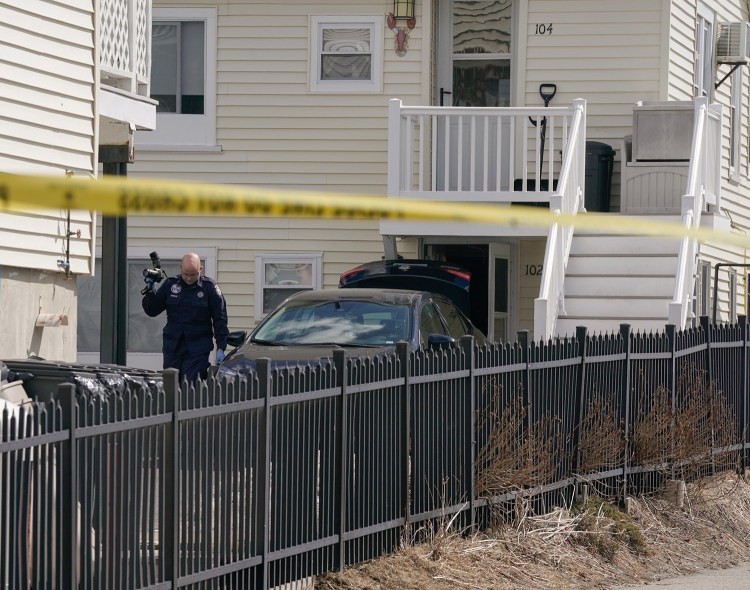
(733,43)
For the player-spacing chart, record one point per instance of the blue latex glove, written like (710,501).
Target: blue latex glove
(149,283)
(219,357)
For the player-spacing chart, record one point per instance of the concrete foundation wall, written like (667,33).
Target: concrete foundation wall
(24,295)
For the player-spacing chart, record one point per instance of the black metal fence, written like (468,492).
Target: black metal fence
(295,472)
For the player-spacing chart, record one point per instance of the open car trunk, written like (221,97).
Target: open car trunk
(421,275)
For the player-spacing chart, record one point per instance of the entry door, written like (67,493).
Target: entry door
(502,324)
(474,70)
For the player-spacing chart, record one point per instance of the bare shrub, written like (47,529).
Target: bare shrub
(517,455)
(602,440)
(687,432)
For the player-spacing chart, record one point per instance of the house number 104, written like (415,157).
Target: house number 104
(543,29)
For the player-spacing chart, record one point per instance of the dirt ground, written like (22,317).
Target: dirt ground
(591,545)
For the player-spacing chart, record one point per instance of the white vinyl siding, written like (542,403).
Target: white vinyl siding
(47,123)
(609,53)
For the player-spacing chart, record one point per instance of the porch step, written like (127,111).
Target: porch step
(612,280)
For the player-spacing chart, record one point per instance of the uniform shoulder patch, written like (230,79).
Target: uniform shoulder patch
(218,291)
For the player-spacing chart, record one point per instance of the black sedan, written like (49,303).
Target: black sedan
(309,325)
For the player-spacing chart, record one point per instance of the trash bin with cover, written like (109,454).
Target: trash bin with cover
(600,159)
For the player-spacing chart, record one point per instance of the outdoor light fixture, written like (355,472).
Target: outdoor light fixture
(402,10)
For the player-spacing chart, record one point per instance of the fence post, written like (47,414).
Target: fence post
(70,537)
(625,334)
(402,352)
(706,325)
(523,342)
(742,321)
(171,469)
(339,362)
(263,371)
(581,340)
(671,331)
(467,344)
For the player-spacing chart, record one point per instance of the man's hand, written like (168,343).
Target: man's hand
(149,284)
(219,357)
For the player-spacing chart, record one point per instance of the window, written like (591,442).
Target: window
(456,325)
(481,53)
(732,295)
(178,65)
(144,333)
(735,114)
(704,52)
(429,323)
(183,79)
(702,302)
(346,54)
(280,275)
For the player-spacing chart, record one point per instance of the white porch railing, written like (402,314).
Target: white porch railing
(125,41)
(567,199)
(703,188)
(499,155)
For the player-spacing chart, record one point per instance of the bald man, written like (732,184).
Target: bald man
(196,316)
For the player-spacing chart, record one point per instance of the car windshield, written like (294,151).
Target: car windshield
(348,323)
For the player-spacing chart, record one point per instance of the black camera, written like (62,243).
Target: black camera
(156,273)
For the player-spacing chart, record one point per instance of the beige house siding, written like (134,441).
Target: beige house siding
(530,260)
(274,132)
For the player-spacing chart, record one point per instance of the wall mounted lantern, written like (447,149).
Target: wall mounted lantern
(402,10)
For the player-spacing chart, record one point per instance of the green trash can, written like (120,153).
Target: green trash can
(600,159)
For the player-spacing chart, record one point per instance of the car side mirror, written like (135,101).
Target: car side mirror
(236,338)
(440,341)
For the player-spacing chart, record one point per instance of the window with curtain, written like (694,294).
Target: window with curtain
(280,275)
(178,66)
(183,80)
(346,54)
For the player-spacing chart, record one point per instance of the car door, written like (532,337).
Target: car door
(429,322)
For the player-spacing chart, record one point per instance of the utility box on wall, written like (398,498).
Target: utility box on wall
(663,131)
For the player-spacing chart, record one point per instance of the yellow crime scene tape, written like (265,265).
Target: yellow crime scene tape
(119,196)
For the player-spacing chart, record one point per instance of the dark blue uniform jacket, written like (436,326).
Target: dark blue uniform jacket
(198,311)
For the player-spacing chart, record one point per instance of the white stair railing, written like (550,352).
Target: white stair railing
(567,199)
(703,187)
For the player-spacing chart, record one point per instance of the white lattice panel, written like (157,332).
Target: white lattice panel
(115,51)
(142,37)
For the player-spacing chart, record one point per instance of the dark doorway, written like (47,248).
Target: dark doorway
(475,259)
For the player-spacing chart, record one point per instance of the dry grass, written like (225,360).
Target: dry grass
(563,549)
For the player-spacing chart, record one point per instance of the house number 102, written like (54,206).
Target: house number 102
(533,270)
(543,29)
